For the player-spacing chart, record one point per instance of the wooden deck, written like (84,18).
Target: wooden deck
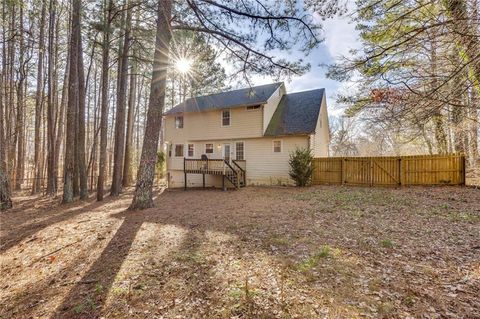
(234,172)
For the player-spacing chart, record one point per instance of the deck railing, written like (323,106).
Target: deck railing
(241,168)
(199,165)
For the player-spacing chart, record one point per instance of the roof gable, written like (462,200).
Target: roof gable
(297,113)
(243,97)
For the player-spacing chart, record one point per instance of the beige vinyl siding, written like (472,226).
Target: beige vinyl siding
(321,138)
(264,167)
(271,106)
(199,126)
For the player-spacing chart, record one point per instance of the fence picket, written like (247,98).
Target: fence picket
(390,170)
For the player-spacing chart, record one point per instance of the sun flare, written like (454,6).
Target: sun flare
(183,65)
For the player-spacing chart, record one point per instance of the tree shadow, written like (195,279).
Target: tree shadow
(17,230)
(27,300)
(257,229)
(93,288)
(87,299)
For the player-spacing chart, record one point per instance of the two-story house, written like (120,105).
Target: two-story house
(243,136)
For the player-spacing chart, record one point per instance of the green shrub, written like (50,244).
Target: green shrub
(160,165)
(301,168)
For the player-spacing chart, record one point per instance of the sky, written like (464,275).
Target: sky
(340,37)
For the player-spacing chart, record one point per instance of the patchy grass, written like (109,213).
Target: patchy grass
(318,252)
(387,243)
(312,261)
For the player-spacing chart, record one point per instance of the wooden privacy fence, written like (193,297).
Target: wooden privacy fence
(390,170)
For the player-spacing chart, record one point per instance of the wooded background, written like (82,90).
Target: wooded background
(416,80)
(84,83)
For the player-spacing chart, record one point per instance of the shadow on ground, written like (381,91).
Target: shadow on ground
(271,253)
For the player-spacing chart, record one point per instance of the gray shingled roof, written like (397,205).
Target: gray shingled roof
(297,113)
(243,97)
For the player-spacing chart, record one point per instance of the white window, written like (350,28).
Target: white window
(226,118)
(239,151)
(179,121)
(191,150)
(178,150)
(277,146)
(253,107)
(208,148)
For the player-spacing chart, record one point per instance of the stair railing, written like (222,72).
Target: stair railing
(227,164)
(243,172)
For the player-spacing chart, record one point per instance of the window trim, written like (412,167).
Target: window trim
(243,142)
(175,150)
(281,146)
(188,150)
(229,117)
(213,148)
(183,122)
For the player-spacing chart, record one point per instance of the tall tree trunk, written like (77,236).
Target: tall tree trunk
(475,103)
(5,200)
(82,167)
(51,177)
(39,103)
(91,167)
(60,122)
(464,29)
(107,8)
(438,119)
(69,161)
(127,166)
(458,108)
(11,136)
(143,197)
(20,124)
(119,149)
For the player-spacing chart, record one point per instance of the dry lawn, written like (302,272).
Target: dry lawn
(319,252)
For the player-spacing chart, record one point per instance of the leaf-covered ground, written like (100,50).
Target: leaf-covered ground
(319,252)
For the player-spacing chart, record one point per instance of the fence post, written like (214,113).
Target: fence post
(400,171)
(371,171)
(343,170)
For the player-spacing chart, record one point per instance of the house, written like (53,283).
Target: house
(243,137)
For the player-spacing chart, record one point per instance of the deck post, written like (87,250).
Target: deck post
(203,180)
(223,182)
(185,175)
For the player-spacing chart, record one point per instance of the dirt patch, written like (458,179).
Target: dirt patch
(319,252)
